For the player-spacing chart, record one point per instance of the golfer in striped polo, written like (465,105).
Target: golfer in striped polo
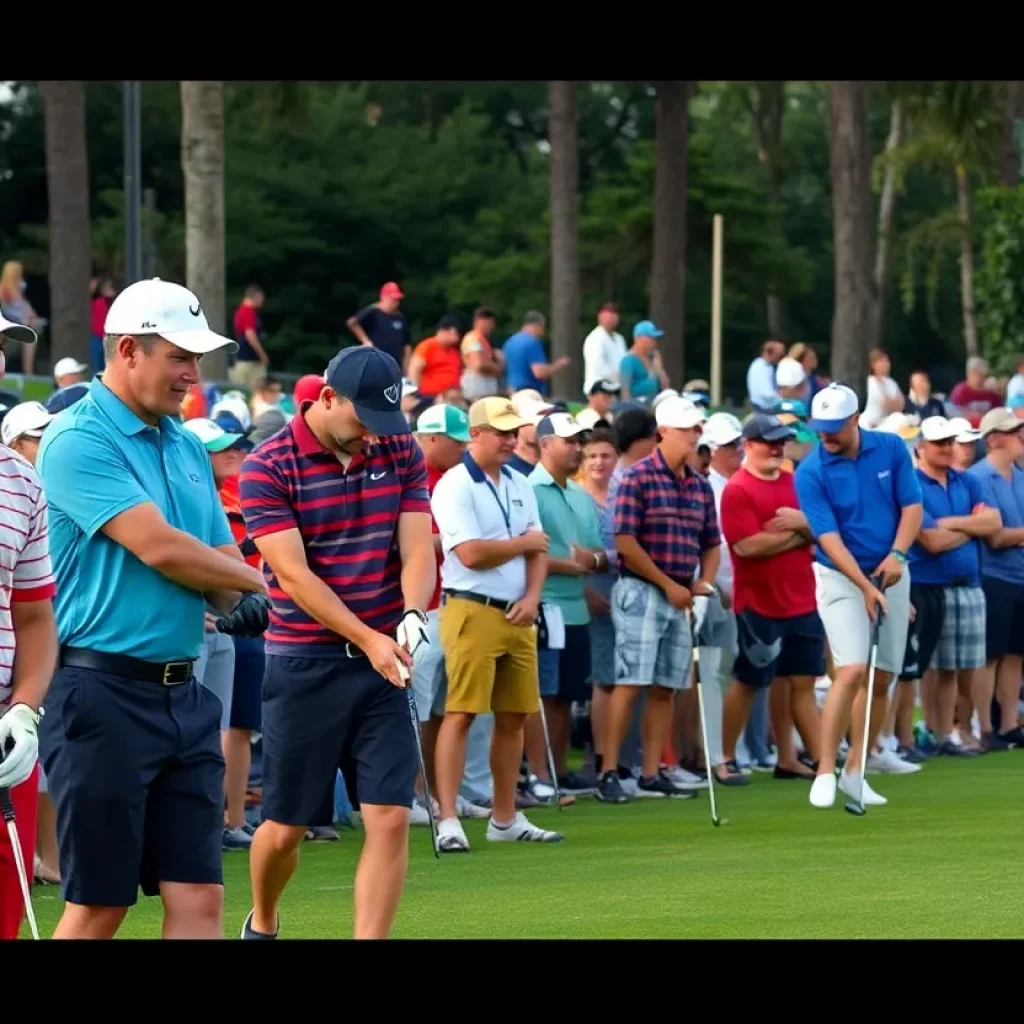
(862,499)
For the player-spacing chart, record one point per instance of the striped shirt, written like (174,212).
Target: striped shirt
(348,521)
(672,517)
(25,570)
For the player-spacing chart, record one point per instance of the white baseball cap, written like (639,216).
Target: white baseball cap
(721,428)
(680,413)
(832,407)
(559,424)
(17,332)
(967,434)
(531,411)
(68,365)
(234,403)
(167,309)
(789,373)
(214,437)
(589,418)
(26,419)
(938,428)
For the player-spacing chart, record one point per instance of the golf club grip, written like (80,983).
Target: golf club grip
(6,804)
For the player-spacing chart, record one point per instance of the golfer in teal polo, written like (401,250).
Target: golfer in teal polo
(130,742)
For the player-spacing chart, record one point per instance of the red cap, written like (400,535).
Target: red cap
(307,389)
(391,291)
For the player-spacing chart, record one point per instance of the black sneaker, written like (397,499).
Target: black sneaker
(578,783)
(1013,737)
(661,785)
(248,932)
(609,789)
(947,748)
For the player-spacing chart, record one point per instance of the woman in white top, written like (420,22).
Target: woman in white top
(884,394)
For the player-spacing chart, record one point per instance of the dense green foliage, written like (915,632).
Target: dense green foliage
(1000,285)
(333,189)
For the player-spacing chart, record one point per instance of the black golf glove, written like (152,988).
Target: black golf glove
(249,618)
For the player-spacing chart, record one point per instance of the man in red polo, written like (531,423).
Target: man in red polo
(338,506)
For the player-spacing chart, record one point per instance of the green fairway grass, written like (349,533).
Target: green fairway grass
(942,860)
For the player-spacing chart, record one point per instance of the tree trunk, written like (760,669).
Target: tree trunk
(963,196)
(67,179)
(564,184)
(668,264)
(885,217)
(1009,155)
(767,112)
(850,153)
(202,163)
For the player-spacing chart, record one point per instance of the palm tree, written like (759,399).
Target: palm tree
(67,178)
(668,262)
(850,152)
(564,183)
(202,163)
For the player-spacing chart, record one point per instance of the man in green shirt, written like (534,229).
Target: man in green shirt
(569,517)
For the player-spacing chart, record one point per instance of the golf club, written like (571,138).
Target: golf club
(7,806)
(551,757)
(427,798)
(850,806)
(715,820)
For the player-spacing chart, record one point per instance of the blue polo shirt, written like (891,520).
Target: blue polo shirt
(1007,496)
(97,460)
(521,351)
(861,499)
(960,494)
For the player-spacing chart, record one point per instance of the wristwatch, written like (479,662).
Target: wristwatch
(597,561)
(899,556)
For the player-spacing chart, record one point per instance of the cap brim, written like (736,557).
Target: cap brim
(18,332)
(200,342)
(224,442)
(778,434)
(949,436)
(828,426)
(391,423)
(507,421)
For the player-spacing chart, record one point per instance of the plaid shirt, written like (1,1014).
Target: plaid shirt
(673,518)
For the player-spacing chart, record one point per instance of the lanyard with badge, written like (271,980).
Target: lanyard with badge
(505,513)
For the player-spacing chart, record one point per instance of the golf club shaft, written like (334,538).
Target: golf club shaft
(707,755)
(7,805)
(876,629)
(427,799)
(551,756)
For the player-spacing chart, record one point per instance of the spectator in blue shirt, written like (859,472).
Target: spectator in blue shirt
(761,377)
(862,499)
(526,362)
(1002,578)
(641,373)
(946,590)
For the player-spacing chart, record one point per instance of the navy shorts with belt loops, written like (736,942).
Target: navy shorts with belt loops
(322,714)
(136,774)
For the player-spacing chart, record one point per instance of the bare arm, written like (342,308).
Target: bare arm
(1007,537)
(419,564)
(910,526)
(353,325)
(536,574)
(35,660)
(489,554)
(765,544)
(179,556)
(564,567)
(416,367)
(638,561)
(833,546)
(544,371)
(936,541)
(709,563)
(225,600)
(982,524)
(254,339)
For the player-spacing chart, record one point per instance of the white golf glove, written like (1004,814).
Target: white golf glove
(411,632)
(19,726)
(700,611)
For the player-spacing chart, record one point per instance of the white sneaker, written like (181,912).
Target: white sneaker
(685,780)
(418,815)
(850,785)
(890,763)
(468,810)
(823,790)
(450,837)
(521,831)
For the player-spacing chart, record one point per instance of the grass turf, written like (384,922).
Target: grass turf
(942,860)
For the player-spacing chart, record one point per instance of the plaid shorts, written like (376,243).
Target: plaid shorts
(653,640)
(962,640)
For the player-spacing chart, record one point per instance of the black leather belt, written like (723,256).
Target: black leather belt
(168,673)
(491,602)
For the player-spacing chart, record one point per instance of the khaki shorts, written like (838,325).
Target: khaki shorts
(247,373)
(491,665)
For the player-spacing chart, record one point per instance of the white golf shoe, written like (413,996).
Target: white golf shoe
(850,785)
(823,790)
(888,762)
(521,831)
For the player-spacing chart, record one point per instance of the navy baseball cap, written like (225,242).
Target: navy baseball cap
(763,427)
(372,381)
(66,397)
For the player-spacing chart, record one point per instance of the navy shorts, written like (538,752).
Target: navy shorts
(247,694)
(1004,618)
(322,714)
(136,774)
(565,673)
(769,648)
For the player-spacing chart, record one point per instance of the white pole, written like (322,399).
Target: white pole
(716,313)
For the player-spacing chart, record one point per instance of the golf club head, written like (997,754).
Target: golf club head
(852,807)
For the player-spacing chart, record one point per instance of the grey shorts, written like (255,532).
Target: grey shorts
(429,681)
(655,641)
(962,640)
(602,649)
(215,670)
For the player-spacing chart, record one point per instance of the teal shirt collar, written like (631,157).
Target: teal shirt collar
(123,418)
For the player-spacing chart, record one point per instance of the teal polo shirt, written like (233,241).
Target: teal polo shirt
(568,516)
(97,460)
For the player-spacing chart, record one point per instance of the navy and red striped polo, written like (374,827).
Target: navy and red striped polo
(348,521)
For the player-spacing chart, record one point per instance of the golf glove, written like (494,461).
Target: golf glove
(700,611)
(412,630)
(249,618)
(20,745)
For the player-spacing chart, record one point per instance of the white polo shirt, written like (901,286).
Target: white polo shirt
(724,576)
(467,506)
